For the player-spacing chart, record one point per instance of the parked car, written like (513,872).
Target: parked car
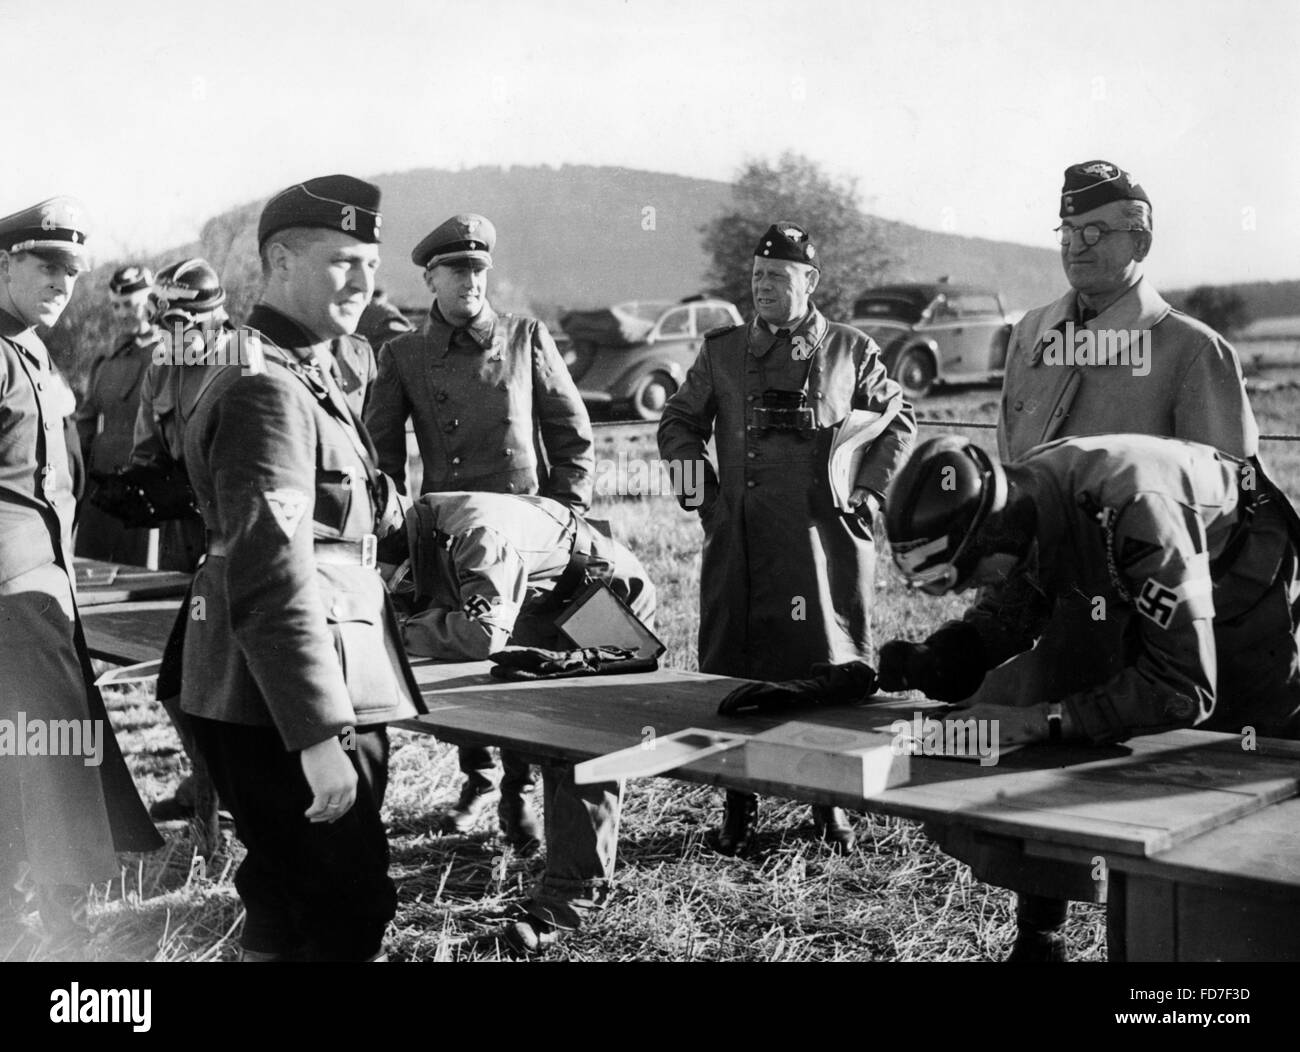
(634,355)
(936,333)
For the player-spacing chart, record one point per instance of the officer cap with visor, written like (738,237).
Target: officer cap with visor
(935,508)
(54,229)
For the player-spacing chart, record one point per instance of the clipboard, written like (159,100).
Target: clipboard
(599,618)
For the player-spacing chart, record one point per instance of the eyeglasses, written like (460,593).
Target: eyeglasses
(1090,232)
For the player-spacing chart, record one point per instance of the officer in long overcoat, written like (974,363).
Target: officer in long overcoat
(786,580)
(63,815)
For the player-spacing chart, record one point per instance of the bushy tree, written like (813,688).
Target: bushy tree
(849,243)
(1221,309)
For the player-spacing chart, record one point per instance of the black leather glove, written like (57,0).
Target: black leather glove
(852,681)
(144,495)
(536,663)
(120,498)
(948,666)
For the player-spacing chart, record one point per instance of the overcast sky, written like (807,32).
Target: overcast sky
(952,115)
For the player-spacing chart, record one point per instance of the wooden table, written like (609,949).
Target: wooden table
(100,583)
(1203,831)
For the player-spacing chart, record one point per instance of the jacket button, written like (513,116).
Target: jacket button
(751,454)
(505,420)
(455,460)
(336,611)
(751,483)
(1058,411)
(508,452)
(1019,405)
(451,425)
(502,385)
(751,398)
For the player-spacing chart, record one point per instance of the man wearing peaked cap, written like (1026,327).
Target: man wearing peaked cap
(1190,386)
(55,228)
(297,667)
(494,410)
(787,572)
(106,417)
(63,817)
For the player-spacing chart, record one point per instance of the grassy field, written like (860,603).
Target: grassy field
(896,899)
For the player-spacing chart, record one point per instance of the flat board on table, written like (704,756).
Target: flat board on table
(128,633)
(1138,798)
(100,583)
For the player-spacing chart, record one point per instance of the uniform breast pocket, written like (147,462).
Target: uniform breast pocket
(356,620)
(336,479)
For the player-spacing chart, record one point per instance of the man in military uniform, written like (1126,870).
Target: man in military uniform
(106,417)
(1188,384)
(490,397)
(1195,548)
(296,664)
(188,302)
(62,816)
(493,569)
(786,580)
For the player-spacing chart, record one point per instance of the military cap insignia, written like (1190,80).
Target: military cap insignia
(1102,170)
(287,506)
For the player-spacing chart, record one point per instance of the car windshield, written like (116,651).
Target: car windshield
(888,307)
(644,310)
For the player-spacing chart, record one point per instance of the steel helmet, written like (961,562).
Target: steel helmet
(187,291)
(936,505)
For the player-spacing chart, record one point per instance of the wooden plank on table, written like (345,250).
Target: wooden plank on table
(102,583)
(1257,855)
(128,633)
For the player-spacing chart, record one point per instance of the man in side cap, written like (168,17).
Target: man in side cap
(62,818)
(481,388)
(786,580)
(297,665)
(106,417)
(1109,356)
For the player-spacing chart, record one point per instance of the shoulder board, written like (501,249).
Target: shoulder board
(721,330)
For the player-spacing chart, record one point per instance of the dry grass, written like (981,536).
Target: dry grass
(897,899)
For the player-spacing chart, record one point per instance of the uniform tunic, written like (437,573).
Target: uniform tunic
(786,579)
(106,422)
(483,399)
(275,464)
(1162,529)
(63,816)
(1194,391)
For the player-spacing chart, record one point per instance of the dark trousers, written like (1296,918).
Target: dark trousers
(516,772)
(320,891)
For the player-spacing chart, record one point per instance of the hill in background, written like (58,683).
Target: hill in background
(581,236)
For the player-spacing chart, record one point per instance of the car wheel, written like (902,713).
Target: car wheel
(914,372)
(651,395)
